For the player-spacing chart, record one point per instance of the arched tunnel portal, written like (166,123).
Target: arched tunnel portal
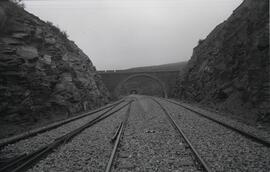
(141,84)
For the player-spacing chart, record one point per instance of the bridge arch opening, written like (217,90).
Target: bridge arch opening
(141,84)
(133,92)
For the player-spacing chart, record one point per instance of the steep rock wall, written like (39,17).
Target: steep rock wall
(42,73)
(230,68)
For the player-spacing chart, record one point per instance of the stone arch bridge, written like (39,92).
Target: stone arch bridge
(115,79)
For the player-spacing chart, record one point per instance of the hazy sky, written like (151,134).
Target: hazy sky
(118,34)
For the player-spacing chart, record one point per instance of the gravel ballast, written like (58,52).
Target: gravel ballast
(229,121)
(150,143)
(222,148)
(33,143)
(88,151)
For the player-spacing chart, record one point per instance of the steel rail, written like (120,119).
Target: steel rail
(180,131)
(112,157)
(242,132)
(119,133)
(23,136)
(29,160)
(116,134)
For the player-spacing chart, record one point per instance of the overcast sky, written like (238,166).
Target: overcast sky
(118,34)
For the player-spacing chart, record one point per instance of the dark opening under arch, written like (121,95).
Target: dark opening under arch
(160,83)
(133,92)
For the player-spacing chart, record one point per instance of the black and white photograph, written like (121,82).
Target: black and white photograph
(134,86)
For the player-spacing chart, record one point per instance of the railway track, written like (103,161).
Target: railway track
(198,160)
(235,129)
(117,139)
(26,161)
(147,143)
(26,135)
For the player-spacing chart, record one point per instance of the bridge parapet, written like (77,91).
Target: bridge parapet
(112,78)
(136,72)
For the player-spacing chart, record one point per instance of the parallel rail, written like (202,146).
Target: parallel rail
(203,164)
(23,136)
(26,161)
(117,139)
(242,132)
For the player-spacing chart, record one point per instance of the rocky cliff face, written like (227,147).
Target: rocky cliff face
(230,68)
(41,71)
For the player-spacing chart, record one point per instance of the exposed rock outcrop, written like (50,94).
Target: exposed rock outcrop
(230,68)
(41,71)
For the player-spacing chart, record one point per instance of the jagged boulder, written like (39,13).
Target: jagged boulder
(27,52)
